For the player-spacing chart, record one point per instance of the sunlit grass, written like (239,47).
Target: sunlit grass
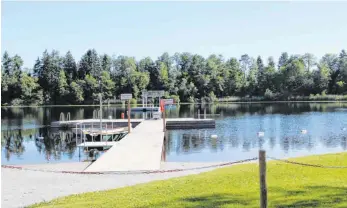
(237,186)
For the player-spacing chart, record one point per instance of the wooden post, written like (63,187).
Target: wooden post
(129,117)
(262,175)
(198,113)
(164,124)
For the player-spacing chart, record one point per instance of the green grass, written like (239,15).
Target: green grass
(289,185)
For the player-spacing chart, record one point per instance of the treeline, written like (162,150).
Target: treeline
(56,79)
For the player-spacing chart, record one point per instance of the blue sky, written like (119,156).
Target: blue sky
(143,29)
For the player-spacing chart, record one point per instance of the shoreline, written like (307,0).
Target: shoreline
(184,103)
(79,167)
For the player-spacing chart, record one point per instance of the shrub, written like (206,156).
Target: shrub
(191,99)
(269,95)
(176,98)
(212,97)
(133,101)
(16,101)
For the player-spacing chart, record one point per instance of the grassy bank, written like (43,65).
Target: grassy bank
(289,185)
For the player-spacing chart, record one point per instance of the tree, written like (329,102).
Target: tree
(332,62)
(271,82)
(6,64)
(127,76)
(295,78)
(309,61)
(283,59)
(106,63)
(107,85)
(90,89)
(76,93)
(30,90)
(342,77)
(90,64)
(271,62)
(245,63)
(216,70)
(234,79)
(63,88)
(261,79)
(12,70)
(189,77)
(70,67)
(51,65)
(321,78)
(252,79)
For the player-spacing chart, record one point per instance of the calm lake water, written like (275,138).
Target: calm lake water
(236,127)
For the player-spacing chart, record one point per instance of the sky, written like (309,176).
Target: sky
(142,29)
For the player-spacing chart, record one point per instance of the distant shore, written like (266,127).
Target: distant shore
(185,103)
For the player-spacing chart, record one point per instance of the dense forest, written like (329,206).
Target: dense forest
(56,79)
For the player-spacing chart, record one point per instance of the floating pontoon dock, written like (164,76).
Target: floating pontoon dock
(95,123)
(171,123)
(97,144)
(145,109)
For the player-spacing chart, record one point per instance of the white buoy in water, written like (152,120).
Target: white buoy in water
(214,136)
(40,137)
(304,131)
(260,134)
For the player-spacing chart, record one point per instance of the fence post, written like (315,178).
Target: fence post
(262,175)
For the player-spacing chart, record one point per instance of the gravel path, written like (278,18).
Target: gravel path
(24,187)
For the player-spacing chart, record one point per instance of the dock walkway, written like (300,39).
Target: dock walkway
(139,150)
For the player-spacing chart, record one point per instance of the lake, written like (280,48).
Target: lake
(237,126)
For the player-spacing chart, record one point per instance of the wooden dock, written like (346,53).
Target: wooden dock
(139,150)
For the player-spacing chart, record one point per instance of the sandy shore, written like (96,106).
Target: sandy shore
(24,187)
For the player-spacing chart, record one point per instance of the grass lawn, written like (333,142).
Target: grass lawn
(289,185)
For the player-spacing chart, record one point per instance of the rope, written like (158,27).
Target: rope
(130,172)
(306,164)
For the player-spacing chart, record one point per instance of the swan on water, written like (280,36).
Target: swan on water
(260,134)
(303,131)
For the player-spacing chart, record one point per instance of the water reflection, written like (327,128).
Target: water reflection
(55,146)
(237,137)
(12,142)
(236,126)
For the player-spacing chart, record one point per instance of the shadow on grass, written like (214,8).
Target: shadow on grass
(309,196)
(207,201)
(313,196)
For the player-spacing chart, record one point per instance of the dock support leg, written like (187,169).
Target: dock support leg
(76,134)
(129,117)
